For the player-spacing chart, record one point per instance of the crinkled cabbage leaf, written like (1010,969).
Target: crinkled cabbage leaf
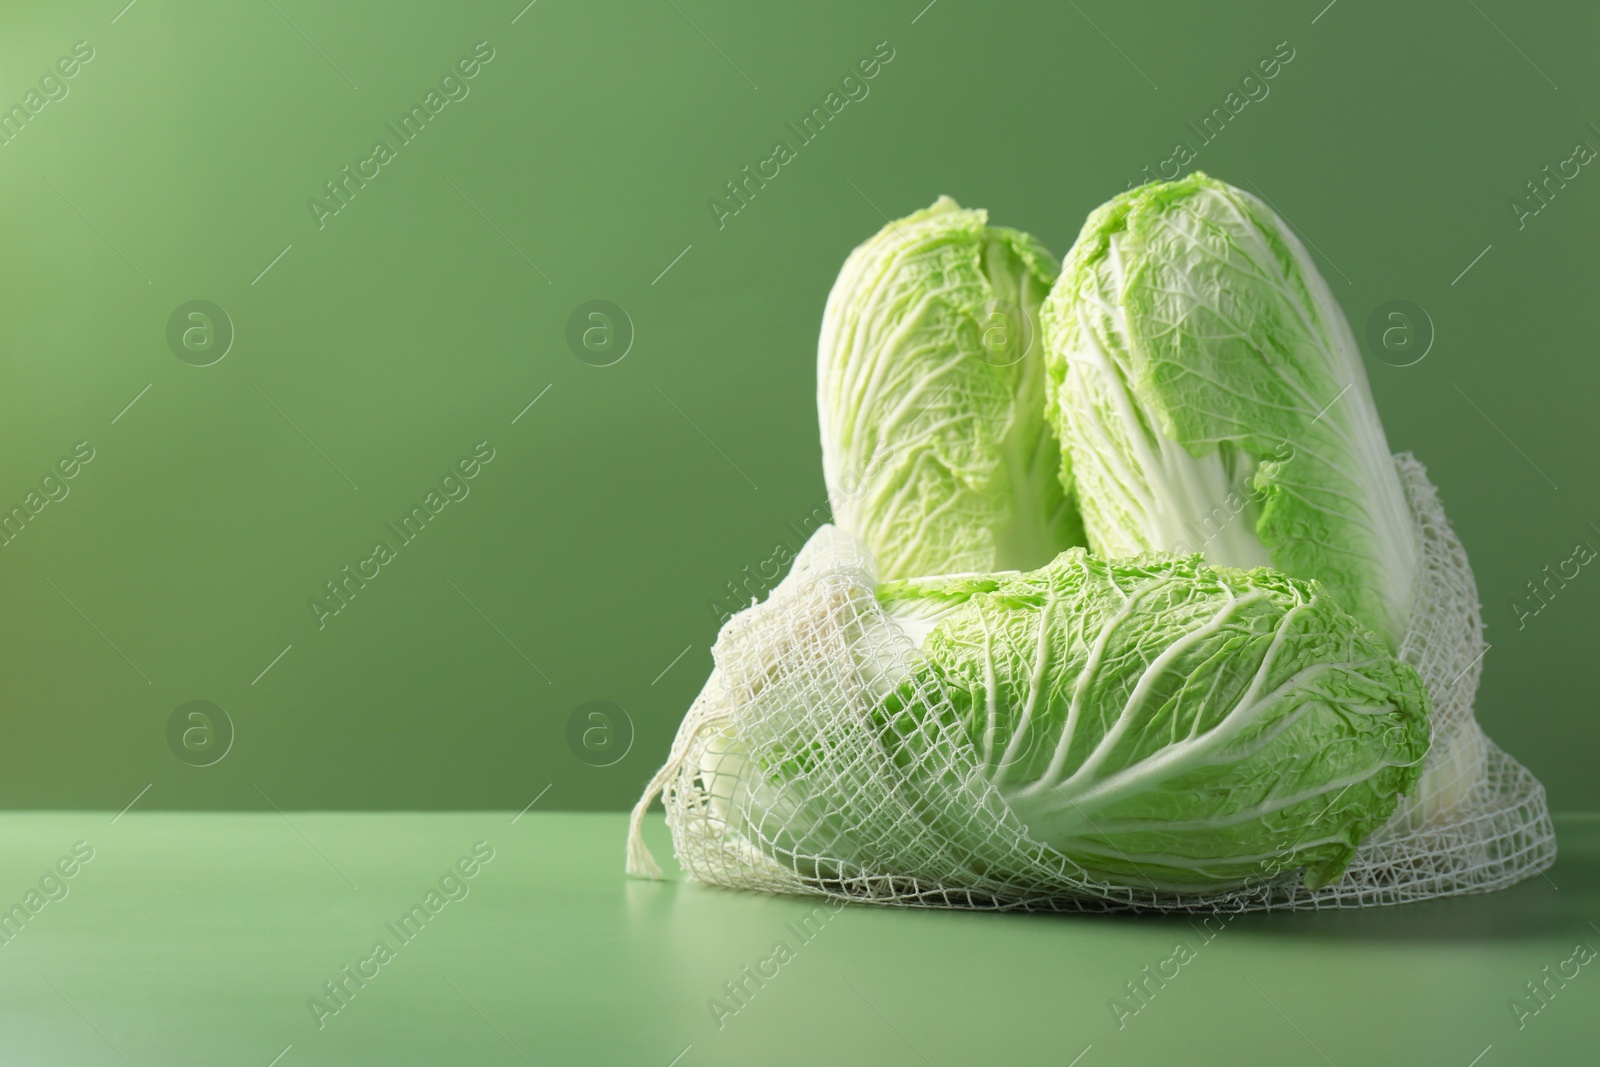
(1210,397)
(1168,724)
(935,446)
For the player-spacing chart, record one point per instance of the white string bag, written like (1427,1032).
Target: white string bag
(795,686)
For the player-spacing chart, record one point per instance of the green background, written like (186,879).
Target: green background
(427,314)
(374,352)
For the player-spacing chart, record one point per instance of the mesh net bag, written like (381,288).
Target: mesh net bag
(917,824)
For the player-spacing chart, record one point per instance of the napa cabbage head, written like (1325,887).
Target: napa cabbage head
(931,397)
(1167,724)
(1210,397)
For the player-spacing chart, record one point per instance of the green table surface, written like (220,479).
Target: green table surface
(201,938)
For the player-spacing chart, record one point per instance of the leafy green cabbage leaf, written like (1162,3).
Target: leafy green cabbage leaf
(1209,396)
(935,446)
(1168,724)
